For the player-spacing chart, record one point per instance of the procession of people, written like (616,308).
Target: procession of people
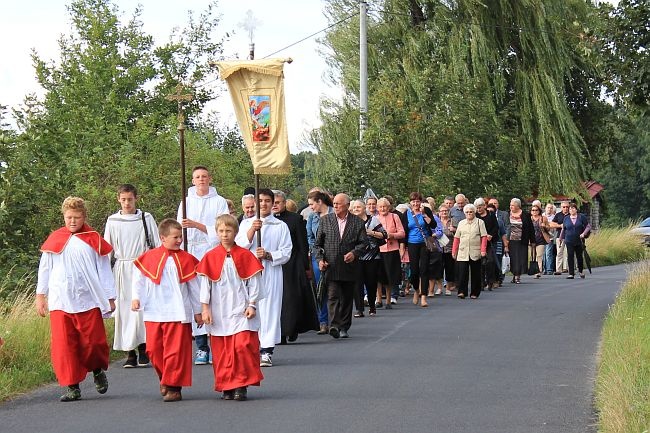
(242,286)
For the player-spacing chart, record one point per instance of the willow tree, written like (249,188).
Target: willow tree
(470,95)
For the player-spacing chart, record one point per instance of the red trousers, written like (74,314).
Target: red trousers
(236,360)
(169,346)
(78,345)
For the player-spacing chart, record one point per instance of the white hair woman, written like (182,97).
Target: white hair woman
(390,273)
(520,234)
(369,261)
(470,245)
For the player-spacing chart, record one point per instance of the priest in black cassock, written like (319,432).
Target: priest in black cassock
(298,304)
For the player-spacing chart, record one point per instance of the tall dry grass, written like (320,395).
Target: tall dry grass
(612,246)
(25,355)
(623,380)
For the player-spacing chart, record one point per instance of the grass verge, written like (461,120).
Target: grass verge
(623,378)
(612,246)
(25,355)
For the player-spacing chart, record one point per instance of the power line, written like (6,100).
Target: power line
(313,34)
(295,43)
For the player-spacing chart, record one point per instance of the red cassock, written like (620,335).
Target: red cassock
(169,344)
(78,340)
(236,358)
(78,345)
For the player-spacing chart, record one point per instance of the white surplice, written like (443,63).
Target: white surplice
(169,301)
(125,232)
(276,240)
(76,280)
(204,209)
(228,299)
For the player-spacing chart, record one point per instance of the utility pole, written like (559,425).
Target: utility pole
(363,68)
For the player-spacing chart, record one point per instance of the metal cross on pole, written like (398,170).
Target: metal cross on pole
(249,24)
(181,97)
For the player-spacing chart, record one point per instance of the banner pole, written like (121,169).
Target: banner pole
(257,208)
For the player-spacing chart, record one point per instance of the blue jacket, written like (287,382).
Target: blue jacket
(571,232)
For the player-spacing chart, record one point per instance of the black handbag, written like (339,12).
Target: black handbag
(430,242)
(533,267)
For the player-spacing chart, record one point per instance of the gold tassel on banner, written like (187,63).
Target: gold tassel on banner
(257,91)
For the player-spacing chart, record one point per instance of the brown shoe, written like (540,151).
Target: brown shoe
(324,329)
(172,396)
(163,390)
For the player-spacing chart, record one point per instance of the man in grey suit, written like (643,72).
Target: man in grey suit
(340,240)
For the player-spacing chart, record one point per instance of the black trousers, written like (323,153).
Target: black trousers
(450,267)
(339,303)
(464,269)
(489,270)
(368,273)
(419,263)
(574,252)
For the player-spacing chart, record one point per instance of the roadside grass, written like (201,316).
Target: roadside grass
(623,377)
(613,246)
(25,355)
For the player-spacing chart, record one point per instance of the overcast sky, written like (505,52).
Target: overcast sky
(39,23)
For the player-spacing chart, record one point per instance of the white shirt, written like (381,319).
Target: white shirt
(204,209)
(228,299)
(76,280)
(169,301)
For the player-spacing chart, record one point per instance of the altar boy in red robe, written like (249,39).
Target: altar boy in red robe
(76,285)
(167,291)
(230,289)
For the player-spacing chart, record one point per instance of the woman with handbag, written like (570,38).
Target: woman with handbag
(418,223)
(542,237)
(369,260)
(520,234)
(391,272)
(489,277)
(470,247)
(575,228)
(448,262)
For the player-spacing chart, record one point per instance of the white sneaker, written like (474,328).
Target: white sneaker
(265,360)
(447,292)
(438,292)
(393,301)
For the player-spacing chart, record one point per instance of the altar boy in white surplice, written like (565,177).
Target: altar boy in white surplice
(230,292)
(131,232)
(274,252)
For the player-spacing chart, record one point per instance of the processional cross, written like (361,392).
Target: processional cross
(181,97)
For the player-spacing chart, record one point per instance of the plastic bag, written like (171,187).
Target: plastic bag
(505,264)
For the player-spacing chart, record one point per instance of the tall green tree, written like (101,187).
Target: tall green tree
(624,38)
(465,95)
(105,120)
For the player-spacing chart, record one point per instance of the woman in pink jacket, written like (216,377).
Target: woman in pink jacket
(391,272)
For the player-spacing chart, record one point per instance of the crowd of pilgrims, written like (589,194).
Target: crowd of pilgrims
(248,281)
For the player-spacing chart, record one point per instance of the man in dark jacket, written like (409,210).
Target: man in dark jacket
(340,240)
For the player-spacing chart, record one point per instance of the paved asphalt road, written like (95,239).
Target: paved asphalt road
(519,359)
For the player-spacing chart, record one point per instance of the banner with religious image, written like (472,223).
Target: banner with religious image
(257,91)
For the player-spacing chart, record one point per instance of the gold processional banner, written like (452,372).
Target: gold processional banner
(257,91)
